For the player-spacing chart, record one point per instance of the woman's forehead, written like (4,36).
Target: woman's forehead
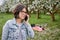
(24,9)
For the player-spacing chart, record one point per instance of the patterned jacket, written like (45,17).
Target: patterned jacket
(11,31)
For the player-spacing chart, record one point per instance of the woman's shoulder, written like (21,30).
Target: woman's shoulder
(10,21)
(27,24)
(7,24)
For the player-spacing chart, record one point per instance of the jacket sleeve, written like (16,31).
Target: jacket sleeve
(30,31)
(5,31)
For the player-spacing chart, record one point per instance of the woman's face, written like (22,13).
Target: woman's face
(23,14)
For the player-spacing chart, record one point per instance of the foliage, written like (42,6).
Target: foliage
(35,4)
(51,32)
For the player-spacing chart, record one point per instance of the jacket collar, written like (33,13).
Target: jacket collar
(14,22)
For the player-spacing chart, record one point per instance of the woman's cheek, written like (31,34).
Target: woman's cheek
(22,17)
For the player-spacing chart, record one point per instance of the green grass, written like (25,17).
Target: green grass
(51,32)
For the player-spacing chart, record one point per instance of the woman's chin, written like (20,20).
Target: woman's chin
(23,18)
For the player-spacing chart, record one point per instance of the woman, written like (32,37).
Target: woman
(18,28)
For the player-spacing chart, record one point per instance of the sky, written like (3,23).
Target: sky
(1,2)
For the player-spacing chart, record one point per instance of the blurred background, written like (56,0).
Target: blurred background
(41,12)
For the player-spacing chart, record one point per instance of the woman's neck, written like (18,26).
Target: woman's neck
(18,21)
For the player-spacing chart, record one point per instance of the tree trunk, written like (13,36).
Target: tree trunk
(52,16)
(44,12)
(29,13)
(37,13)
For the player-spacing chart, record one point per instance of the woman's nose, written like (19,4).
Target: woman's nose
(24,14)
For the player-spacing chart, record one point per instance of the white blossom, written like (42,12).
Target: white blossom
(36,4)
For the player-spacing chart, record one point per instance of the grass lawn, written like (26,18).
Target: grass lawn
(51,32)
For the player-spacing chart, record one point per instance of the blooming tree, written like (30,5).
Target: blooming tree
(7,5)
(51,6)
